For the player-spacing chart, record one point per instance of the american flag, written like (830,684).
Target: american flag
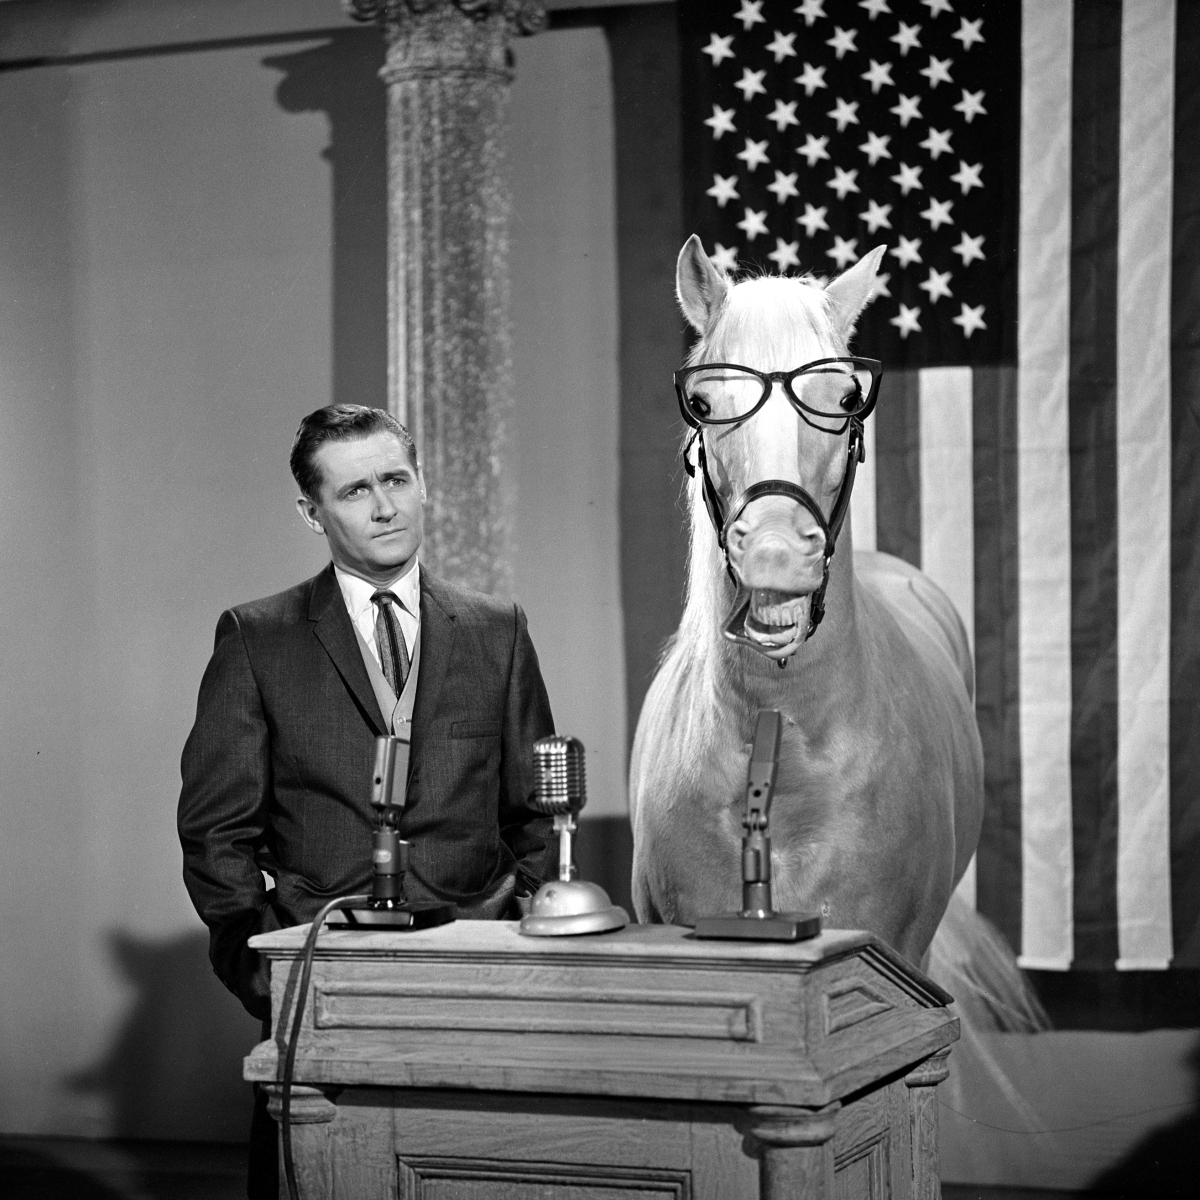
(1034,171)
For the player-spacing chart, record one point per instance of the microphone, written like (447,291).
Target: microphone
(567,905)
(757,920)
(560,791)
(386,906)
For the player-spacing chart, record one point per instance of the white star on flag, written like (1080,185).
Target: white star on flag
(754,155)
(751,83)
(811,78)
(844,251)
(937,72)
(906,39)
(937,6)
(967,177)
(813,148)
(906,321)
(969,32)
(842,42)
(843,182)
(784,186)
(723,190)
(876,216)
(782,46)
(719,49)
(970,319)
(875,7)
(937,285)
(750,14)
(753,223)
(724,258)
(937,143)
(876,147)
(813,219)
(880,286)
(878,75)
(909,109)
(844,113)
(909,251)
(783,115)
(969,248)
(938,213)
(785,254)
(810,10)
(721,121)
(908,179)
(971,106)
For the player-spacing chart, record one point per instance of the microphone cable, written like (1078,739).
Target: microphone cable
(289,1062)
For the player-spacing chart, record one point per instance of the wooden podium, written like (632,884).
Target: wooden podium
(470,1063)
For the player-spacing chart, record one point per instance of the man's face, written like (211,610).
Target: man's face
(371,505)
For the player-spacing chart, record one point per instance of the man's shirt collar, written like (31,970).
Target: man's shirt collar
(357,592)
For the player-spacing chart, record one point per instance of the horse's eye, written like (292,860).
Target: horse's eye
(853,398)
(700,406)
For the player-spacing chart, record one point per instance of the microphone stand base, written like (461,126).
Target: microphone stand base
(416,915)
(774,927)
(566,907)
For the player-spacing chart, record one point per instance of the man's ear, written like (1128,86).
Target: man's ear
(853,290)
(310,514)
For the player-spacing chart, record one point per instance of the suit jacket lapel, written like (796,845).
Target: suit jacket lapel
(327,610)
(437,643)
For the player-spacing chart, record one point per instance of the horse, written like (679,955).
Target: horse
(880,795)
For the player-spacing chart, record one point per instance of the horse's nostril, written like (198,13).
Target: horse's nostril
(737,533)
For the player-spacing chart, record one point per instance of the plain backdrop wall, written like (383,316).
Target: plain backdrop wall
(169,298)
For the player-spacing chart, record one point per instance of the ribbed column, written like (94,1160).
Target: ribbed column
(447,73)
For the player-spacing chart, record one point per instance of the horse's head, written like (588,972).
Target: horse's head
(776,441)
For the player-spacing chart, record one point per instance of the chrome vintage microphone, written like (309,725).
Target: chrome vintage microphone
(566,905)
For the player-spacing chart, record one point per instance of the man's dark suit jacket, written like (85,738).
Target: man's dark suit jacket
(277,769)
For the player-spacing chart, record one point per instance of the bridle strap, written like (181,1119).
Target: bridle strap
(855,453)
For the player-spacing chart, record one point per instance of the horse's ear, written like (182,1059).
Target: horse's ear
(853,290)
(699,286)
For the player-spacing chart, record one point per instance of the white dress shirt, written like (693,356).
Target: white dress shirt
(357,594)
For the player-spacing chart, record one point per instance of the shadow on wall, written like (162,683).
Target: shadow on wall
(340,78)
(1164,1163)
(175,1068)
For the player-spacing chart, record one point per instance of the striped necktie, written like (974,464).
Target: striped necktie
(393,653)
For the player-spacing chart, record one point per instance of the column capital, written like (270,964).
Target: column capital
(930,1072)
(782,1125)
(521,16)
(310,1105)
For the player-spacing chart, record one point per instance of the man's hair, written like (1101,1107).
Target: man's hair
(339,423)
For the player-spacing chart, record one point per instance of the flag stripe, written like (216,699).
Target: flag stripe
(998,873)
(1185,509)
(1043,485)
(948,506)
(1143,485)
(863,498)
(1092,408)
(947,486)
(898,466)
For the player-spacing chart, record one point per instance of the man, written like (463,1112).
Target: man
(277,769)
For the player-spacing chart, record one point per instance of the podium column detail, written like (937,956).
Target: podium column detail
(796,1150)
(447,71)
(922,1082)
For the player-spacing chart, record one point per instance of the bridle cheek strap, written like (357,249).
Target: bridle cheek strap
(855,453)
